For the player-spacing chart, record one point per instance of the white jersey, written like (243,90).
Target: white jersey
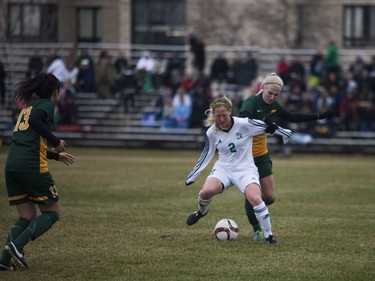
(234,146)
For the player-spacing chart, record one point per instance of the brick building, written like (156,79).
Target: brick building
(281,24)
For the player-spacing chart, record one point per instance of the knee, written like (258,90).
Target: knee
(53,216)
(270,200)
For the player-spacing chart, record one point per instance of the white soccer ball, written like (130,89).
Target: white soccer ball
(226,229)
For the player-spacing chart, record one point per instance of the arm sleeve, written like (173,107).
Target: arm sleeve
(205,158)
(297,117)
(36,122)
(52,155)
(260,126)
(285,133)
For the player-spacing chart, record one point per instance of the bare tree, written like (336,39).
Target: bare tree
(268,23)
(2,21)
(219,21)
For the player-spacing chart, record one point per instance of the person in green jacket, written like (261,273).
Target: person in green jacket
(29,183)
(263,106)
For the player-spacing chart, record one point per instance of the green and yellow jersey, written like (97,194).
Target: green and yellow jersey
(254,107)
(28,151)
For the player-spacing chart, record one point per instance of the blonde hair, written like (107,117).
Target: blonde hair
(273,79)
(222,101)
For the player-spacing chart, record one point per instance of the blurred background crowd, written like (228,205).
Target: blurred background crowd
(319,85)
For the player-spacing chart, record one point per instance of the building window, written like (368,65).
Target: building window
(32,23)
(89,24)
(359,26)
(160,22)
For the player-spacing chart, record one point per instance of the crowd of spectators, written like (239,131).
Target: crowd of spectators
(319,84)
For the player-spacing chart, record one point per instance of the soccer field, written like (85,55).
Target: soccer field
(124,212)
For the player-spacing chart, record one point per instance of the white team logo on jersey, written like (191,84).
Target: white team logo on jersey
(239,136)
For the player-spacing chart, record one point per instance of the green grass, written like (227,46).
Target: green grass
(124,212)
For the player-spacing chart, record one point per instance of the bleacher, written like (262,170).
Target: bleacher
(102,123)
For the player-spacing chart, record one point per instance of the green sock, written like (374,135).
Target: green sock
(36,228)
(251,216)
(19,227)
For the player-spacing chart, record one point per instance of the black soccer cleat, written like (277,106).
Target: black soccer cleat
(18,256)
(271,240)
(4,267)
(194,217)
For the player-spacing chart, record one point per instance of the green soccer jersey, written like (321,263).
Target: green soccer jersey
(28,151)
(254,107)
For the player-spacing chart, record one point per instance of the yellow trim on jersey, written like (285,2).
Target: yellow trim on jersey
(42,198)
(18,197)
(260,145)
(43,167)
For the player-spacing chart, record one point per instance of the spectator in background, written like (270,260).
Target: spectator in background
(57,66)
(145,68)
(366,108)
(85,59)
(371,72)
(119,67)
(356,67)
(72,74)
(35,65)
(197,48)
(188,82)
(200,102)
(167,115)
(86,76)
(325,127)
(128,87)
(182,108)
(317,66)
(68,108)
(297,71)
(103,75)
(248,70)
(219,69)
(160,70)
(331,59)
(348,111)
(174,62)
(282,69)
(2,83)
(175,80)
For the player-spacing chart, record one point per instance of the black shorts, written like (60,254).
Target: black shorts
(33,187)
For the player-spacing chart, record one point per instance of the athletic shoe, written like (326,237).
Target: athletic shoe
(194,217)
(17,256)
(258,235)
(271,240)
(4,267)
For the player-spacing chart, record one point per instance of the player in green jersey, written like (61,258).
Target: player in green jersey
(29,183)
(264,105)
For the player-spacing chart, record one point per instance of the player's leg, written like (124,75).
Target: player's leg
(211,187)
(41,188)
(26,210)
(264,165)
(253,195)
(18,227)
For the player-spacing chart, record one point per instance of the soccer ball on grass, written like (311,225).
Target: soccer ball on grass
(226,229)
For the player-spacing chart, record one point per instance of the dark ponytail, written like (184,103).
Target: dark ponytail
(42,85)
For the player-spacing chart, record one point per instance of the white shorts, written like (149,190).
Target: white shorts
(237,177)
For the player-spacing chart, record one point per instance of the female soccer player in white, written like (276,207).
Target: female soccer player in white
(232,137)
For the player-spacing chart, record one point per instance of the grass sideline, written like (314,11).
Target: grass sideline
(124,213)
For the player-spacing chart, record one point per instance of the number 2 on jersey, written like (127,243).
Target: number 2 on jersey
(232,147)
